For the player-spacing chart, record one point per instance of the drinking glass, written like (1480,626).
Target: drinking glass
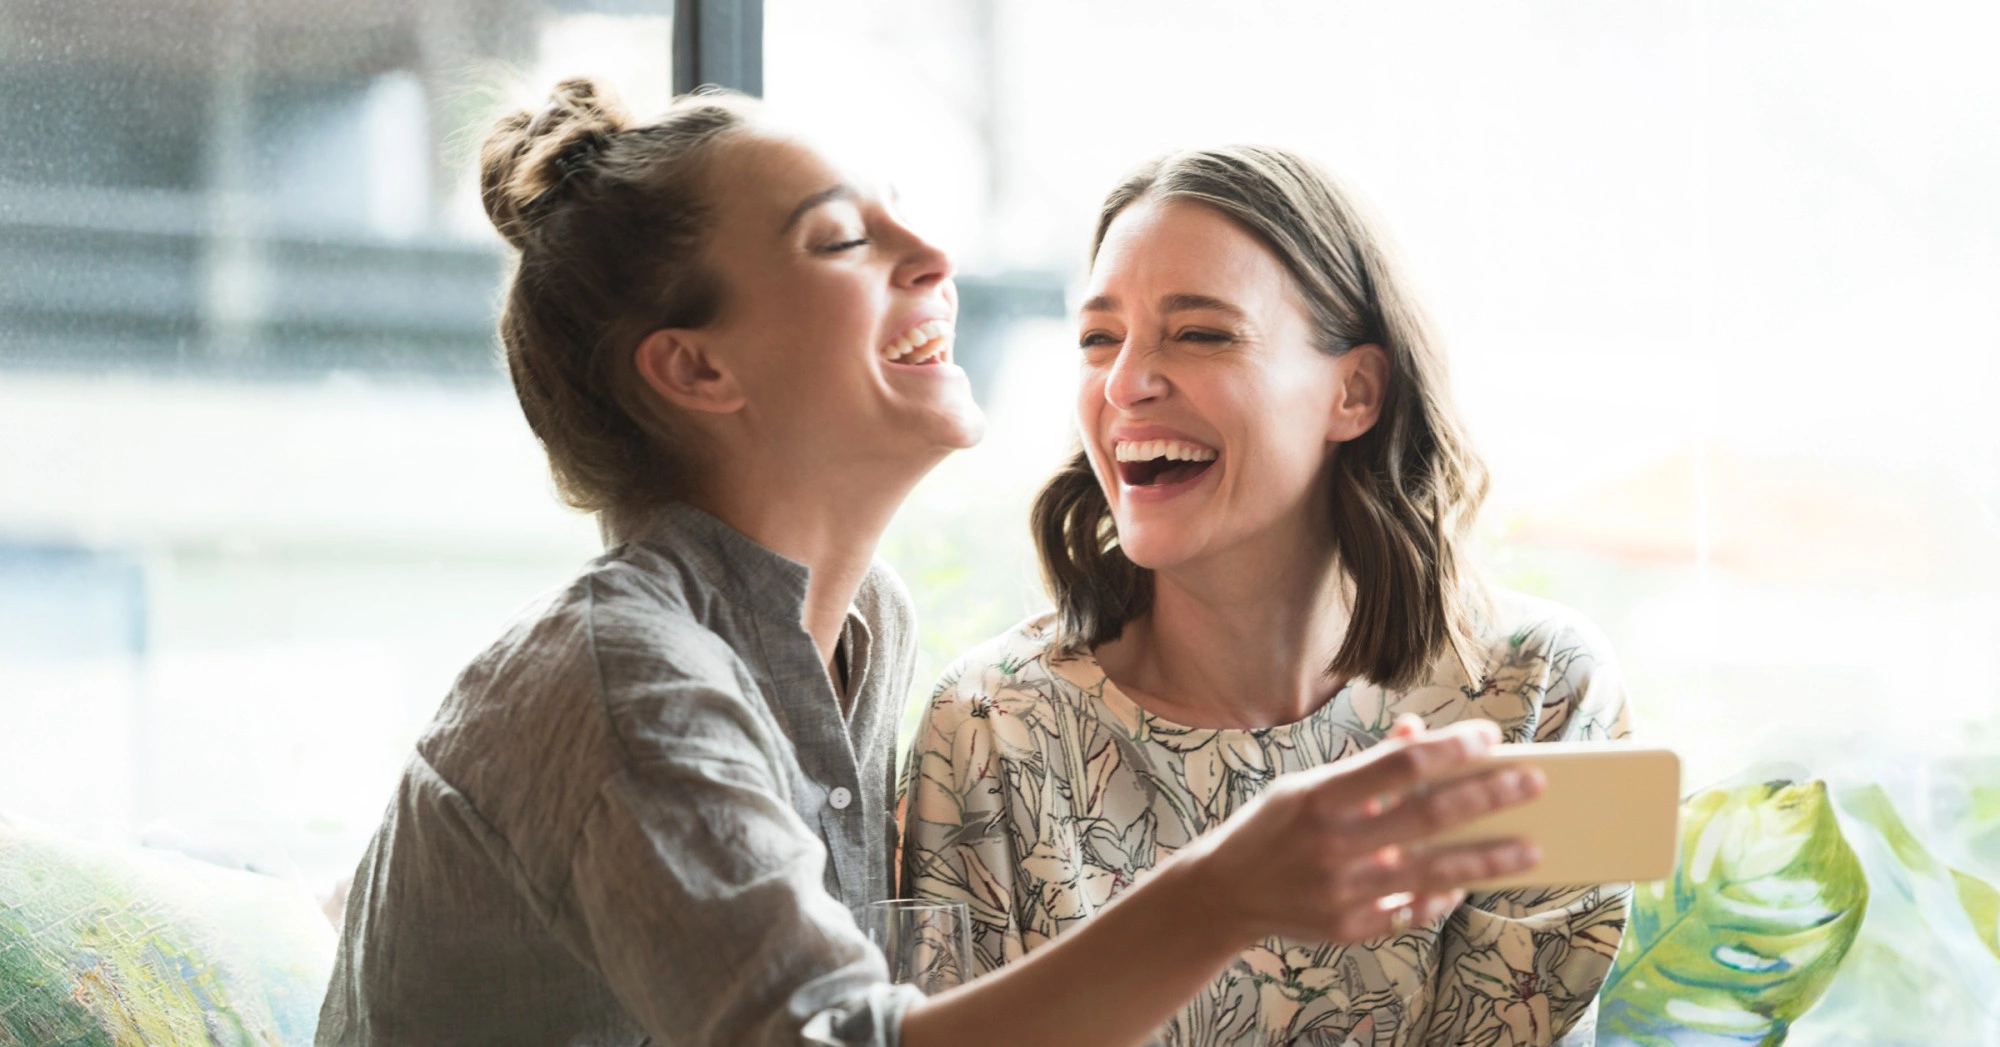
(928,944)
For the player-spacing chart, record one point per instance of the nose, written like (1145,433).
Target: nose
(1135,377)
(922,264)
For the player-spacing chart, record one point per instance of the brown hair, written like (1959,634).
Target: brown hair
(608,219)
(1404,493)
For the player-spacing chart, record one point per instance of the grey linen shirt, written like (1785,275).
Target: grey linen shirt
(618,828)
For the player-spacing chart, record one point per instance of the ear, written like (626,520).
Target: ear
(1363,373)
(676,364)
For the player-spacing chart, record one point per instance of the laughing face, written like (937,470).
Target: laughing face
(1209,416)
(838,319)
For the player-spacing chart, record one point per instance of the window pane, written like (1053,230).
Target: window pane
(264,488)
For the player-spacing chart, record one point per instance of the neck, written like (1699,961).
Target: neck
(1237,641)
(831,525)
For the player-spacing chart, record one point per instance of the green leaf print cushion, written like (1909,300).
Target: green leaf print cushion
(114,946)
(1930,945)
(1750,930)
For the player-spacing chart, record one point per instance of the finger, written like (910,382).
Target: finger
(1439,870)
(1396,914)
(1396,765)
(1407,726)
(1427,813)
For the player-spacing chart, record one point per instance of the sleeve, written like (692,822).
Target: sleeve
(697,891)
(955,842)
(1522,967)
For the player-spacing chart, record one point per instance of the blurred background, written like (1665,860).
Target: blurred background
(1718,283)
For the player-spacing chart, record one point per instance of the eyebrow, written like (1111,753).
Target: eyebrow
(1173,303)
(824,196)
(1103,303)
(1187,303)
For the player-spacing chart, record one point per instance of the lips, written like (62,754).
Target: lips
(927,343)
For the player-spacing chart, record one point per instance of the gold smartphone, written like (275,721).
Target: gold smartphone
(1610,813)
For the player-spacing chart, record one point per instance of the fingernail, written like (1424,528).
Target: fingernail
(1525,855)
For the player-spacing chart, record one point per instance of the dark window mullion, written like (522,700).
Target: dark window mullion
(719,42)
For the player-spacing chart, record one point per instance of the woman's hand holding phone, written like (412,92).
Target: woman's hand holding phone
(1328,855)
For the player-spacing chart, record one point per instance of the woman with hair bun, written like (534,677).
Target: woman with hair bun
(644,814)
(1258,558)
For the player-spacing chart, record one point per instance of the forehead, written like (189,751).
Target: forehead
(763,173)
(1172,246)
(758,174)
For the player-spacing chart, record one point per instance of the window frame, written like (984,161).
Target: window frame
(719,42)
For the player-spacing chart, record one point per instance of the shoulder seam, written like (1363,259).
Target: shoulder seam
(545,907)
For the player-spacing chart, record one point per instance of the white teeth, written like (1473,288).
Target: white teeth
(1172,450)
(934,333)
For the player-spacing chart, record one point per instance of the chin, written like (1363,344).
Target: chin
(1150,548)
(959,427)
(968,434)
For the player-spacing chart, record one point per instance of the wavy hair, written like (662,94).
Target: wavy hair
(1403,495)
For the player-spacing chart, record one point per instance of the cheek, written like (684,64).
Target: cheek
(798,370)
(1089,398)
(1300,459)
(824,336)
(828,307)
(1090,405)
(1283,437)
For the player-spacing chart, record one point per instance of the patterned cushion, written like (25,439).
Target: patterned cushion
(116,946)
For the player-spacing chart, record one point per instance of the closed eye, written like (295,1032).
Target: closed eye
(845,245)
(1205,337)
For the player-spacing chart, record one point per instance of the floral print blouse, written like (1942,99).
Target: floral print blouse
(1037,792)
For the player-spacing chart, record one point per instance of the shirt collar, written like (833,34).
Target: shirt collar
(744,571)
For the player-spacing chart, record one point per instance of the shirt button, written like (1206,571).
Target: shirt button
(840,798)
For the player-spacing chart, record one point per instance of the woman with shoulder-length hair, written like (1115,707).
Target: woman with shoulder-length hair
(1259,563)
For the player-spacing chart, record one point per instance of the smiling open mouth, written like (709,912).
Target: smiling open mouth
(1160,463)
(927,343)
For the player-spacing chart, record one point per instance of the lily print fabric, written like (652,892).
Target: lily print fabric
(1037,792)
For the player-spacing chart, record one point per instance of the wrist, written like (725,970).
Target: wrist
(1196,893)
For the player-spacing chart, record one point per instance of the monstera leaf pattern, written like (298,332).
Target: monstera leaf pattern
(1927,947)
(1923,876)
(1037,793)
(1748,933)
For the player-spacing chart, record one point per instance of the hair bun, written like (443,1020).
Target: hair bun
(530,157)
